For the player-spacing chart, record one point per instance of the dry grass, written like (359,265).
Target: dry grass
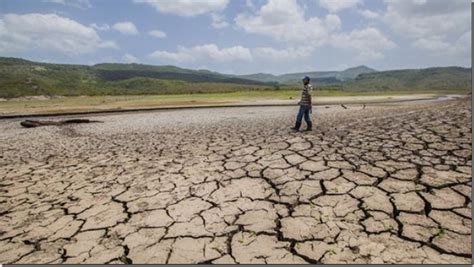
(98,103)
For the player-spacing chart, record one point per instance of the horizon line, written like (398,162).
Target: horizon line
(229,74)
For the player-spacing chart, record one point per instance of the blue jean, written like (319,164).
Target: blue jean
(305,112)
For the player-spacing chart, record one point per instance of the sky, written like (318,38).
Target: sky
(240,36)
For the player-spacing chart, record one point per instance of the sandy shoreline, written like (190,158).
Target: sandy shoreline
(319,101)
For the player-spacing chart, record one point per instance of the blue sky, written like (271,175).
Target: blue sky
(238,36)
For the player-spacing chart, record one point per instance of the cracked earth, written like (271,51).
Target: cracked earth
(384,184)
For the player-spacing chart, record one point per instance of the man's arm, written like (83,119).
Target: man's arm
(310,93)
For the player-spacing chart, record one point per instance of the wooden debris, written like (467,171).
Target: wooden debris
(33,124)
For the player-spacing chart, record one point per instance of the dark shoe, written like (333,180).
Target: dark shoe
(308,130)
(297,126)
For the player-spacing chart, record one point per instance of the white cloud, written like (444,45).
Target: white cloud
(249,4)
(284,20)
(438,46)
(127,58)
(288,54)
(335,6)
(462,47)
(186,8)
(48,32)
(368,14)
(219,21)
(125,28)
(208,52)
(417,19)
(431,44)
(174,57)
(103,27)
(434,25)
(464,42)
(332,22)
(157,34)
(211,53)
(369,43)
(82,4)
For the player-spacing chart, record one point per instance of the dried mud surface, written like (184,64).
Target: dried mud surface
(387,184)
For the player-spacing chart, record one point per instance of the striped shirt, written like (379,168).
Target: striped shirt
(306,95)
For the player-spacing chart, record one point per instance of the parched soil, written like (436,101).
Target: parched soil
(384,184)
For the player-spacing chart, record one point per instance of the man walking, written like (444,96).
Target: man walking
(305,106)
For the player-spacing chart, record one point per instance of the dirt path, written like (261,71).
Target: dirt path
(387,184)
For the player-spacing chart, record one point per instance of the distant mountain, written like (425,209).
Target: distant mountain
(19,77)
(445,78)
(262,77)
(22,77)
(321,77)
(352,73)
(117,72)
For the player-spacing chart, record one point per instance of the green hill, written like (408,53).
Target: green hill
(20,77)
(262,77)
(352,73)
(116,72)
(447,78)
(318,77)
